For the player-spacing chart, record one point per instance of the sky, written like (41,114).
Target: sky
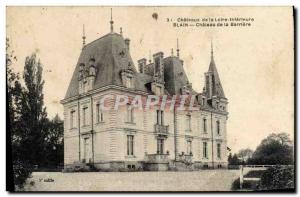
(255,63)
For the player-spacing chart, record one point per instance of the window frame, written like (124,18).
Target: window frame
(188,122)
(204,127)
(218,124)
(84,114)
(72,119)
(219,155)
(99,114)
(205,151)
(130,145)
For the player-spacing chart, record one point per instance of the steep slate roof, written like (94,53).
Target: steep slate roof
(217,89)
(111,56)
(174,74)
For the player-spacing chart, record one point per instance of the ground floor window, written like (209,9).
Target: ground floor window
(130,144)
(189,147)
(219,151)
(86,150)
(205,150)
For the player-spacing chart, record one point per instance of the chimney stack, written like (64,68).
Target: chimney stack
(127,43)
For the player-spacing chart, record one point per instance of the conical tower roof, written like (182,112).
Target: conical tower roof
(217,89)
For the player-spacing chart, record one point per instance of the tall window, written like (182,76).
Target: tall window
(160,146)
(84,114)
(130,144)
(204,126)
(99,113)
(218,127)
(205,150)
(189,147)
(129,113)
(188,122)
(219,151)
(159,117)
(72,119)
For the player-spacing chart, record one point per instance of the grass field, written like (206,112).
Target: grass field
(205,180)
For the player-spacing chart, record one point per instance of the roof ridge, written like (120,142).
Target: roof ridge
(101,38)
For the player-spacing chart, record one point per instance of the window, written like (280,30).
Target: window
(218,127)
(129,113)
(189,147)
(86,150)
(205,150)
(129,82)
(99,113)
(84,114)
(188,122)
(160,146)
(130,145)
(204,126)
(159,117)
(219,151)
(72,119)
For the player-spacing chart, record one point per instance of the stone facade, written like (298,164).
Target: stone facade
(141,139)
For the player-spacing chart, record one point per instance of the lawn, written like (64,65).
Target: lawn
(205,180)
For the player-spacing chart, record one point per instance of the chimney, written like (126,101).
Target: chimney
(158,64)
(127,43)
(142,64)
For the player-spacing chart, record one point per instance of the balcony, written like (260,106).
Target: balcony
(157,158)
(161,129)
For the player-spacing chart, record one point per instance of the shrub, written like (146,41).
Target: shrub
(278,178)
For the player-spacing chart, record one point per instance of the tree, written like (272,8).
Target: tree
(234,160)
(54,146)
(273,150)
(33,112)
(20,165)
(245,154)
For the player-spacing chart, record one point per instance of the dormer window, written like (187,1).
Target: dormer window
(127,76)
(129,82)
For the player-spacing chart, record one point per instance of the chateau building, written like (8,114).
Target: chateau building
(133,138)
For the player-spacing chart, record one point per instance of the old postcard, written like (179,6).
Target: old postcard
(150,98)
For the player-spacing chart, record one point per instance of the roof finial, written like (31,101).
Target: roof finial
(212,50)
(83,36)
(121,31)
(172,52)
(111,22)
(150,56)
(177,48)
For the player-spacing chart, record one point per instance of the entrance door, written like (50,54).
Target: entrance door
(160,146)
